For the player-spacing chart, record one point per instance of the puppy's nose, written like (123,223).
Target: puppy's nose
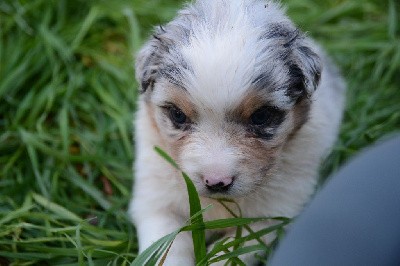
(218,184)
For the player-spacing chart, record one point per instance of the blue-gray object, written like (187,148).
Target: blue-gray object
(354,219)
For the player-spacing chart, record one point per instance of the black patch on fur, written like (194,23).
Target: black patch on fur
(148,80)
(155,65)
(173,75)
(146,83)
(314,64)
(294,36)
(277,31)
(287,38)
(290,41)
(296,87)
(283,32)
(160,46)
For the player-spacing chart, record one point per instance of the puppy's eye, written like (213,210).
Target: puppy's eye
(267,116)
(177,116)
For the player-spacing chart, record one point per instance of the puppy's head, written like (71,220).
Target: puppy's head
(227,83)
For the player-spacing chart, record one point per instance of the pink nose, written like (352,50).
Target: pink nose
(218,183)
(214,180)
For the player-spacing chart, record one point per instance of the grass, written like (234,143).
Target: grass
(67,96)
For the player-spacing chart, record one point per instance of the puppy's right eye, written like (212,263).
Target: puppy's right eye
(177,116)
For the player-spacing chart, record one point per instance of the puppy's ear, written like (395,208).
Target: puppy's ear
(148,61)
(304,70)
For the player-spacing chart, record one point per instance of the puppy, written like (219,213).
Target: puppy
(245,103)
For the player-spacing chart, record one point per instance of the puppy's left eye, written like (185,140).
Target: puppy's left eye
(267,116)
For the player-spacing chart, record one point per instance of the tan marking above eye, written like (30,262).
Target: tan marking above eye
(251,102)
(180,99)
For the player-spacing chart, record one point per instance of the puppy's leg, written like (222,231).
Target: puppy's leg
(156,225)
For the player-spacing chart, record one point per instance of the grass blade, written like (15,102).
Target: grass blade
(55,208)
(89,189)
(199,236)
(223,223)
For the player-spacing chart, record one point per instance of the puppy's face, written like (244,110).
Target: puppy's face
(224,103)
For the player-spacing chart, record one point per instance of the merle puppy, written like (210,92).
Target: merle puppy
(246,104)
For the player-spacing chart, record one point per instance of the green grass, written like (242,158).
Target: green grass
(67,96)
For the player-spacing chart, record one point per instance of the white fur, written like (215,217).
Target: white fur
(223,54)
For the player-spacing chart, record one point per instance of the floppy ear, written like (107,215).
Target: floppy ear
(148,61)
(305,69)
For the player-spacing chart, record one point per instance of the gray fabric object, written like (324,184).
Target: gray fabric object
(354,219)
